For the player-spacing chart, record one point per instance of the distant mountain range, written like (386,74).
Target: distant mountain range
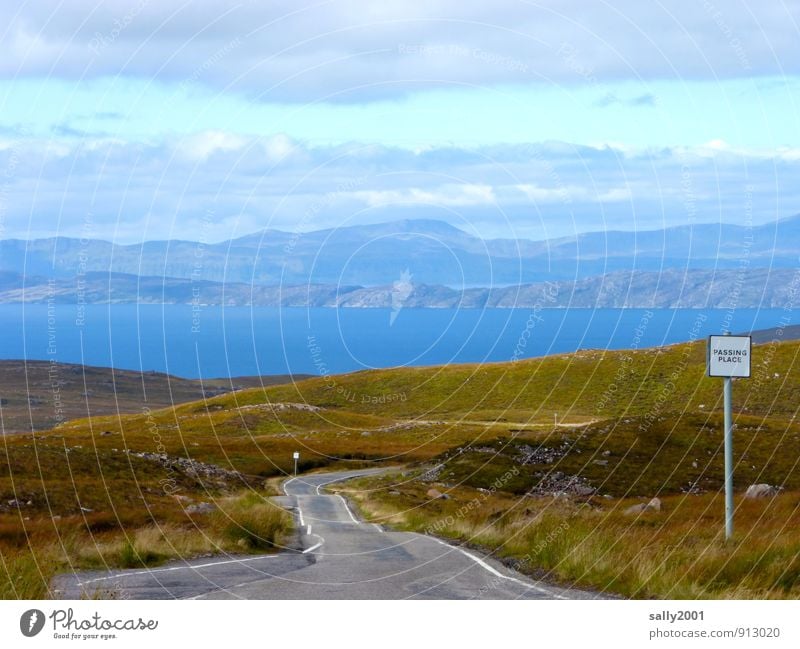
(644,289)
(422,264)
(434,253)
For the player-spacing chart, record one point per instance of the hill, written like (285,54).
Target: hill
(37,395)
(592,431)
(435,253)
(685,289)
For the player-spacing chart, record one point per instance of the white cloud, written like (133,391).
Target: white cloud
(570,193)
(357,49)
(450,195)
(200,146)
(161,190)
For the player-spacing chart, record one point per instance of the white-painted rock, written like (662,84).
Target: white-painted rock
(760,491)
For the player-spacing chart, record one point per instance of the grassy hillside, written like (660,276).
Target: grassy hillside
(585,385)
(629,424)
(37,395)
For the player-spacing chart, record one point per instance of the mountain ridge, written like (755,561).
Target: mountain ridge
(433,252)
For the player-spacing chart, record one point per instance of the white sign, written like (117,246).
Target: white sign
(296,455)
(729,356)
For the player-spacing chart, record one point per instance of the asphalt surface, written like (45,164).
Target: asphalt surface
(336,556)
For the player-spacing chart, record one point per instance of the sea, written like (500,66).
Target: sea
(213,341)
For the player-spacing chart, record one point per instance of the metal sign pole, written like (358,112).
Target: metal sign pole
(727,390)
(728,357)
(295,467)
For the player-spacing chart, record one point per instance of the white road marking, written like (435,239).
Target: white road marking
(344,502)
(322,484)
(497,573)
(286,484)
(300,513)
(308,530)
(378,527)
(314,547)
(156,570)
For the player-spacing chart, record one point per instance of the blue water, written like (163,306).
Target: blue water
(237,341)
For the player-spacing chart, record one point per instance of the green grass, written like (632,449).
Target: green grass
(676,553)
(633,423)
(33,552)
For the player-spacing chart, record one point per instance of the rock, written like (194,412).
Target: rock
(14,503)
(431,475)
(394,492)
(86,510)
(761,491)
(653,506)
(200,508)
(600,462)
(106,433)
(562,484)
(433,494)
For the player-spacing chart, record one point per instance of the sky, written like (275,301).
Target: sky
(143,120)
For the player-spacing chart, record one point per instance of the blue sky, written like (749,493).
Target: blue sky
(132,120)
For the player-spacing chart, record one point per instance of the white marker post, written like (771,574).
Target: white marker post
(296,456)
(729,357)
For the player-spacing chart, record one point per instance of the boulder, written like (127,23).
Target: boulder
(761,491)
(200,508)
(653,506)
(433,494)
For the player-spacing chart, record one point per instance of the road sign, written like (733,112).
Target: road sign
(729,356)
(296,455)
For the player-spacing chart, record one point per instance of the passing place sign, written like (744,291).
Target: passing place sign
(729,356)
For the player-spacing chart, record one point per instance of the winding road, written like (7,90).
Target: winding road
(337,556)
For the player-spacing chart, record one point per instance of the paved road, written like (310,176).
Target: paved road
(337,557)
